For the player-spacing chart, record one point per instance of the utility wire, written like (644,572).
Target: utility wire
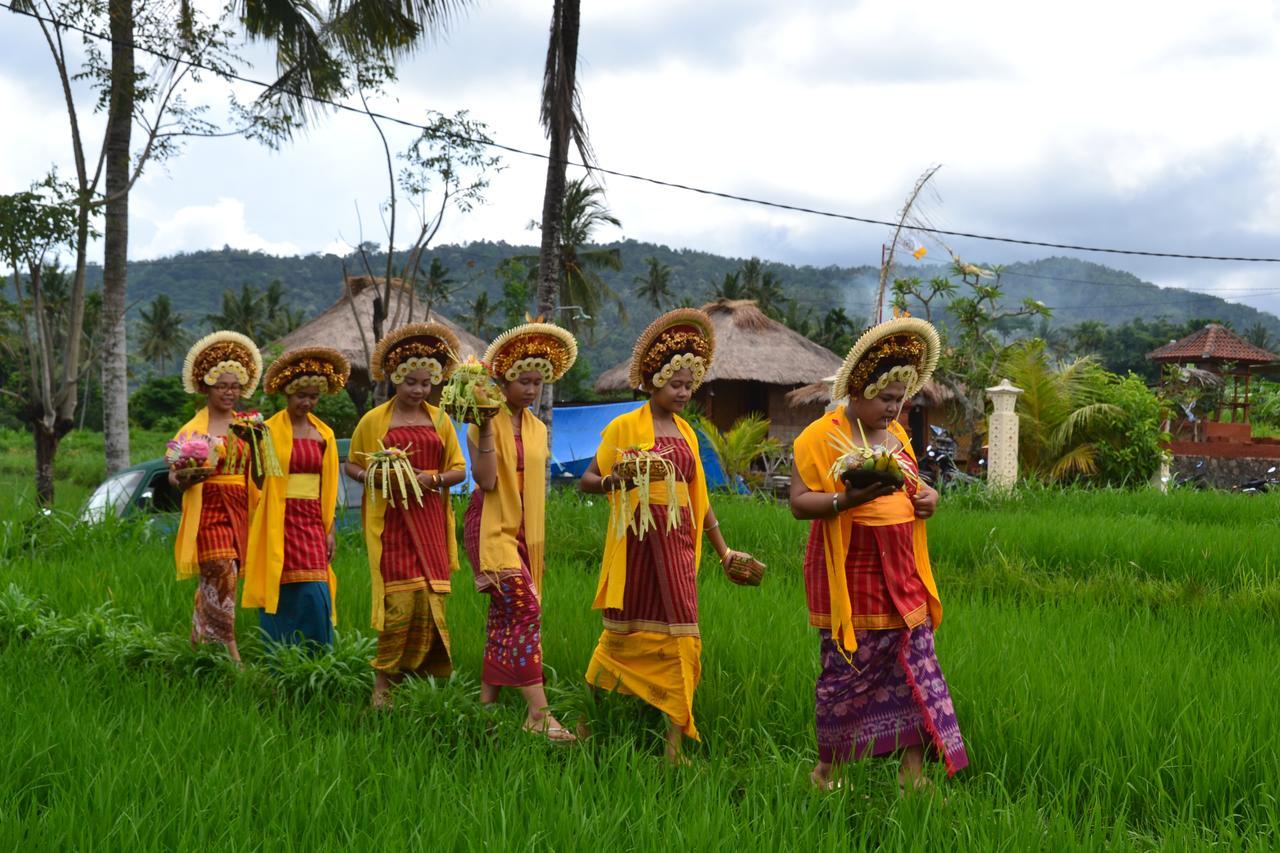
(669,184)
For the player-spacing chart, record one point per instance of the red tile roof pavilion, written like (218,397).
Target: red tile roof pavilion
(1214,344)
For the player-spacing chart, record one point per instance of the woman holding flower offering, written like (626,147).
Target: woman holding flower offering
(505,521)
(868,579)
(287,575)
(648,465)
(218,496)
(406,453)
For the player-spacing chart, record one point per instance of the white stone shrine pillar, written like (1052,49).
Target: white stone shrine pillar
(1002,437)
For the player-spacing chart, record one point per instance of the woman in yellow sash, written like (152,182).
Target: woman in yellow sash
(504,529)
(409,531)
(287,573)
(218,497)
(651,646)
(868,579)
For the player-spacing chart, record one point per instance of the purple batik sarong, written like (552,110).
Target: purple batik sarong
(892,696)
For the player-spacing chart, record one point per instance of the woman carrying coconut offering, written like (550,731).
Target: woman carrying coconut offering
(211,464)
(505,521)
(406,454)
(648,465)
(868,580)
(286,570)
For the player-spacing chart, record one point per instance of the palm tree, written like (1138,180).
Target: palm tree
(561,117)
(1260,336)
(241,312)
(740,446)
(278,319)
(580,281)
(729,288)
(481,310)
(436,287)
(163,337)
(1061,417)
(655,286)
(768,294)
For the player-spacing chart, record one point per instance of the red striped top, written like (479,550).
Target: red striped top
(885,589)
(224,516)
(415,550)
(661,594)
(306,552)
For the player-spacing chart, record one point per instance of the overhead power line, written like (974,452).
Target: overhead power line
(669,184)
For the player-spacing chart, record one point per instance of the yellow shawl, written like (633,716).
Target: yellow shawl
(505,508)
(373,509)
(815,453)
(635,429)
(185,554)
(264,560)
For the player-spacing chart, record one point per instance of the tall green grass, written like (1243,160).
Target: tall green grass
(1107,701)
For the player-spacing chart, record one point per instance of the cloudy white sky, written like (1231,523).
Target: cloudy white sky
(1136,124)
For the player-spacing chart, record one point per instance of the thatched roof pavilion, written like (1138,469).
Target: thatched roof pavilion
(338,326)
(758,360)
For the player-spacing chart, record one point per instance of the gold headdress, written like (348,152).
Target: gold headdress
(317,367)
(904,349)
(219,353)
(432,346)
(543,347)
(683,338)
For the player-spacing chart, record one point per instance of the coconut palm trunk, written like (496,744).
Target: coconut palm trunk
(561,117)
(115,363)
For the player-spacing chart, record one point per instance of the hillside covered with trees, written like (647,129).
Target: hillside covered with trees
(1086,298)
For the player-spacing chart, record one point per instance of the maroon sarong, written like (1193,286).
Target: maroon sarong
(892,696)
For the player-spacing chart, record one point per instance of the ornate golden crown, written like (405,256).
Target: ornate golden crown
(530,344)
(322,363)
(900,341)
(685,331)
(415,340)
(223,349)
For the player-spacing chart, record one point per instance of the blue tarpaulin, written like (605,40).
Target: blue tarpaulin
(575,435)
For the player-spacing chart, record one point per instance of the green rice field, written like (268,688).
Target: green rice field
(1112,656)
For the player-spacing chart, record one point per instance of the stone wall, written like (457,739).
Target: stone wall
(1222,473)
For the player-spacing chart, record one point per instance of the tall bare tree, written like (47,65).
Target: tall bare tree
(153,99)
(33,225)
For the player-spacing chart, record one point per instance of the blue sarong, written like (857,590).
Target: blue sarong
(303,615)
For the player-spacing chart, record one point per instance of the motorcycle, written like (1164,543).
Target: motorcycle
(939,468)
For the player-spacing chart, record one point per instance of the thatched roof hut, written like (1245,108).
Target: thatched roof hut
(758,360)
(347,326)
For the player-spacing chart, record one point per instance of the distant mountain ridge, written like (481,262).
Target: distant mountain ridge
(1077,290)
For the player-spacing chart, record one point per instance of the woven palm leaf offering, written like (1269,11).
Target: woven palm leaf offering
(471,395)
(642,467)
(861,465)
(256,453)
(392,475)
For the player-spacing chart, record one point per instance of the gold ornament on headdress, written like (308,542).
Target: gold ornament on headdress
(910,346)
(430,346)
(307,367)
(219,353)
(542,347)
(683,338)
